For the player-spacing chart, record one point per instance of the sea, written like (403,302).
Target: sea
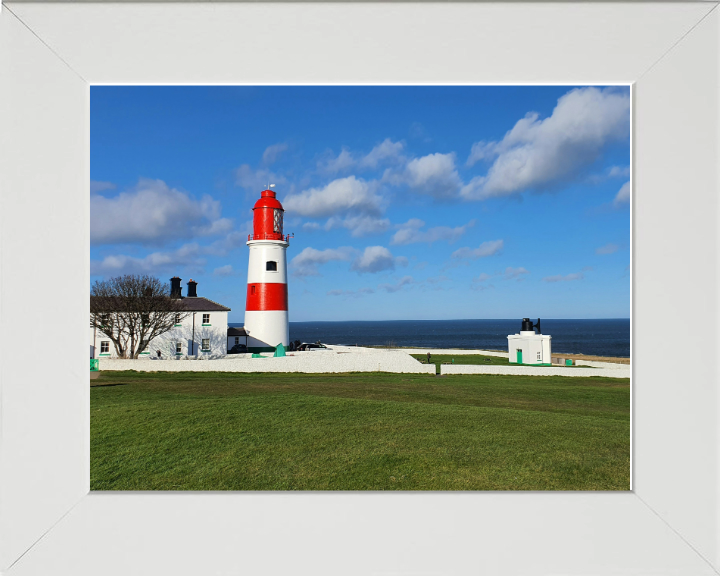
(606,337)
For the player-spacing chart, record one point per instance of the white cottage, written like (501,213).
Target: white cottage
(529,347)
(203,333)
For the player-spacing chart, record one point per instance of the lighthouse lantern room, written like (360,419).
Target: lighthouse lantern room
(266,308)
(529,347)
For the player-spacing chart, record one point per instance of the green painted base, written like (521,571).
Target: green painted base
(524,364)
(259,349)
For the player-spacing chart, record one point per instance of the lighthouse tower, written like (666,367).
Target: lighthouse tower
(266,308)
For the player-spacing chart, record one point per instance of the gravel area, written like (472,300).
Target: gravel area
(338,359)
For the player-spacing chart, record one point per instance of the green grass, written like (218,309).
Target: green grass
(221,431)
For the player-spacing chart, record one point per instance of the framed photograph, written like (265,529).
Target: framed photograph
(50,56)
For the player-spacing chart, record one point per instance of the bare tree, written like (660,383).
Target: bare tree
(131,310)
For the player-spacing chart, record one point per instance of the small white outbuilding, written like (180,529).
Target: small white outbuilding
(529,347)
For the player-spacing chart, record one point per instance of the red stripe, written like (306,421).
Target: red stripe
(266,297)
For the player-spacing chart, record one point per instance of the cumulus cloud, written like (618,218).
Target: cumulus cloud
(539,154)
(224,271)
(385,152)
(618,171)
(97,186)
(485,249)
(255,180)
(306,263)
(623,196)
(567,278)
(340,196)
(359,225)
(376,259)
(187,256)
(434,175)
(410,233)
(404,281)
(514,273)
(351,293)
(607,249)
(152,213)
(272,153)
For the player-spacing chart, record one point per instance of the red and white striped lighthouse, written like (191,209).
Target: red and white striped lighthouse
(266,308)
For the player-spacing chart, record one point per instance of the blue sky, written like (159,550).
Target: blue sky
(406,202)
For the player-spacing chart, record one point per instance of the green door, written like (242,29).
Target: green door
(519,356)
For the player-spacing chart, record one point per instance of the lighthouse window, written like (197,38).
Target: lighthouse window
(278,221)
(252,290)
(271,266)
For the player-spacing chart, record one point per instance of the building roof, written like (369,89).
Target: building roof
(233,331)
(199,304)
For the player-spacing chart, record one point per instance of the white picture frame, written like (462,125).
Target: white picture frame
(50,53)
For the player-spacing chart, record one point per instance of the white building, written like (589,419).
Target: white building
(203,333)
(529,347)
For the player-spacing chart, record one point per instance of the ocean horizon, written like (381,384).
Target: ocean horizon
(592,337)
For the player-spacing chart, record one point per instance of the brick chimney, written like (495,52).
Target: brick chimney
(175,288)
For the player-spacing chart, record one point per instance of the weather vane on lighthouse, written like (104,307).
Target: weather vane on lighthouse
(266,308)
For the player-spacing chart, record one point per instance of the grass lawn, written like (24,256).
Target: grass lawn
(378,431)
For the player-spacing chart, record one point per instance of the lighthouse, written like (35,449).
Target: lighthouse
(266,308)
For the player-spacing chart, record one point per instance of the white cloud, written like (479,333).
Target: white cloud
(96,186)
(306,263)
(607,249)
(376,259)
(387,152)
(482,277)
(410,233)
(187,256)
(623,196)
(485,249)
(256,180)
(567,278)
(351,293)
(339,196)
(359,225)
(538,154)
(151,213)
(514,273)
(404,281)
(618,172)
(272,153)
(224,271)
(434,175)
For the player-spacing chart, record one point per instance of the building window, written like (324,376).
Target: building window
(206,345)
(237,339)
(278,221)
(206,319)
(105,347)
(538,356)
(178,347)
(177,319)
(271,266)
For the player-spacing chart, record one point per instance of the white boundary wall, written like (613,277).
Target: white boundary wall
(339,359)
